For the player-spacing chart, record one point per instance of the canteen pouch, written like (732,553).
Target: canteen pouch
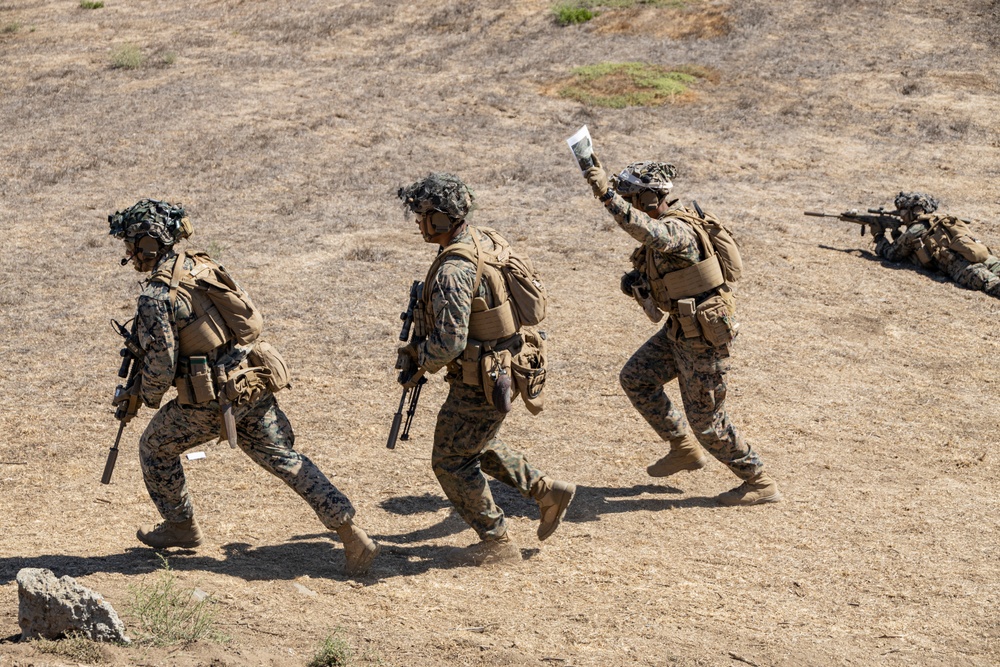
(528,369)
(716,316)
(470,360)
(202,387)
(494,369)
(265,356)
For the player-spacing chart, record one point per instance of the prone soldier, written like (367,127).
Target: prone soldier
(199,331)
(683,267)
(940,243)
(464,323)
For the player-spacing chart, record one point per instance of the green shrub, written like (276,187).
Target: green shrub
(127,56)
(90,4)
(569,14)
(620,85)
(333,652)
(167,614)
(10,28)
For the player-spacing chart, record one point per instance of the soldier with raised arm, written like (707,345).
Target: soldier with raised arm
(683,268)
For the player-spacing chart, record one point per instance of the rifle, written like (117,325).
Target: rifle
(408,374)
(126,400)
(880,218)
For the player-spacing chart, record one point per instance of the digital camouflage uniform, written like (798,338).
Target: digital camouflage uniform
(263,431)
(984,276)
(466,440)
(700,370)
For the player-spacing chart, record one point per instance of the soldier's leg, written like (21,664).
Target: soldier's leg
(465,424)
(702,378)
(975,276)
(643,377)
(266,435)
(510,466)
(171,431)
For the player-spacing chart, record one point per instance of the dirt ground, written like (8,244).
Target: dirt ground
(285,128)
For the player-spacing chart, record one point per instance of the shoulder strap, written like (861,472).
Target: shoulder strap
(176,276)
(472,253)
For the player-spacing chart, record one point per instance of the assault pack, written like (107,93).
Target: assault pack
(948,233)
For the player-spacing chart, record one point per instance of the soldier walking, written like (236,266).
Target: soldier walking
(198,331)
(462,318)
(682,268)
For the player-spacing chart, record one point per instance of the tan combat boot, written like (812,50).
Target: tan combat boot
(185,534)
(359,549)
(685,454)
(553,498)
(754,491)
(488,552)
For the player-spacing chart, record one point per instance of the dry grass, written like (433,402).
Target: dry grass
(285,129)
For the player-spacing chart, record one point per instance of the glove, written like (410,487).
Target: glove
(597,178)
(406,362)
(628,280)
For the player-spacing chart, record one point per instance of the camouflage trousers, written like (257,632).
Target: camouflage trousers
(701,375)
(983,276)
(263,433)
(466,445)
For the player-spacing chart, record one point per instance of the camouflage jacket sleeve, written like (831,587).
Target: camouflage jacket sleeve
(451,303)
(158,340)
(903,245)
(666,236)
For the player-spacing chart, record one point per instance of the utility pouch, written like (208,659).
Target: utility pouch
(202,388)
(246,386)
(687,316)
(528,369)
(264,355)
(716,316)
(470,362)
(495,371)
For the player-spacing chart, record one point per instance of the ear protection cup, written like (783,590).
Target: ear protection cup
(440,222)
(147,246)
(648,199)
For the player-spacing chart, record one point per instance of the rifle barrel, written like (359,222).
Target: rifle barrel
(109,466)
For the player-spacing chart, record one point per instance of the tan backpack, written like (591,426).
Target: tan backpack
(223,311)
(954,234)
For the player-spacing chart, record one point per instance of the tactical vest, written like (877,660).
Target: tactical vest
(220,311)
(499,342)
(698,298)
(492,318)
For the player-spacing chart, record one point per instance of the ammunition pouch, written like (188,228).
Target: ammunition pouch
(711,323)
(923,254)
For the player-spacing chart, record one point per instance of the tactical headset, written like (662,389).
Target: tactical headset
(648,199)
(440,222)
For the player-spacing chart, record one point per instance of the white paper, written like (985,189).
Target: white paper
(582,147)
(193,456)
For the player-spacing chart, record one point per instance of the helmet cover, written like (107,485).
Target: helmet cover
(641,176)
(167,223)
(908,200)
(439,192)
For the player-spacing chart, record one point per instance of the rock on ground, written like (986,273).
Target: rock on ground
(50,607)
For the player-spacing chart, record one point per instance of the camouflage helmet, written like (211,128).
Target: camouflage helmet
(439,192)
(642,176)
(167,223)
(910,200)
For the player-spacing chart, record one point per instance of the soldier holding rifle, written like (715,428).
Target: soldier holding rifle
(197,330)
(940,243)
(455,328)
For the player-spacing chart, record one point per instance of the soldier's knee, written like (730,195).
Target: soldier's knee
(632,379)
